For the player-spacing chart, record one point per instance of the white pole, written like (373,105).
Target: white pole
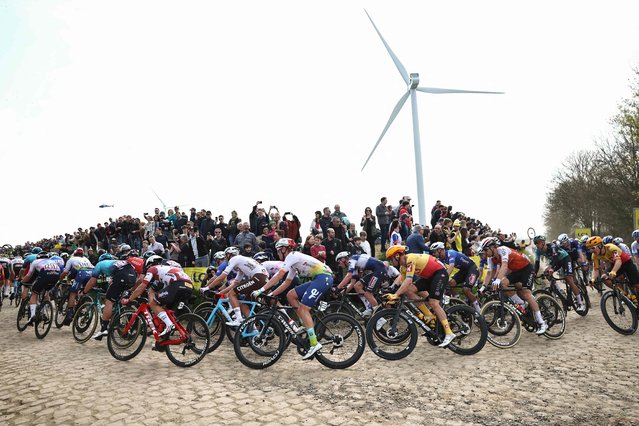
(418,161)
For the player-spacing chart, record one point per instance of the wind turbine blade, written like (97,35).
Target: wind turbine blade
(158,197)
(398,64)
(439,91)
(396,110)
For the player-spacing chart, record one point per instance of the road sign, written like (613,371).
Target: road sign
(580,232)
(635,216)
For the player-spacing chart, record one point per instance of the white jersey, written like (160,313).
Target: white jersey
(166,274)
(297,263)
(244,267)
(391,271)
(17,261)
(272,267)
(39,264)
(5,261)
(624,248)
(78,263)
(634,248)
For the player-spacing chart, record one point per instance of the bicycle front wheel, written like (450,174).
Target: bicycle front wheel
(124,344)
(85,321)
(260,341)
(195,346)
(61,310)
(217,327)
(44,319)
(553,313)
(619,313)
(469,327)
(503,324)
(342,339)
(23,315)
(391,338)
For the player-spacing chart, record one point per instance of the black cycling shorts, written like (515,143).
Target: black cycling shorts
(372,281)
(435,285)
(45,281)
(524,276)
(468,276)
(123,279)
(567,266)
(629,269)
(171,295)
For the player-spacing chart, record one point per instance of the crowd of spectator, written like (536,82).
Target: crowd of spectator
(193,238)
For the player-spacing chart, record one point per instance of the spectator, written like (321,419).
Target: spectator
(233,228)
(405,219)
(318,251)
(415,241)
(338,213)
(325,220)
(293,227)
(366,246)
(257,219)
(340,230)
(437,235)
(383,214)
(247,250)
(160,238)
(356,247)
(333,246)
(186,257)
(92,255)
(369,224)
(145,246)
(217,242)
(223,226)
(181,222)
(193,215)
(267,236)
(395,236)
(245,236)
(199,248)
(207,224)
(155,246)
(316,227)
(310,241)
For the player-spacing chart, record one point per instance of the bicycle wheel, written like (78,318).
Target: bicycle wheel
(259,341)
(196,345)
(470,328)
(23,315)
(342,339)
(575,304)
(337,306)
(554,315)
(85,322)
(44,319)
(503,324)
(619,312)
(217,327)
(389,338)
(61,309)
(124,346)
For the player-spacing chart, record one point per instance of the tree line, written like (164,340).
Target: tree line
(598,188)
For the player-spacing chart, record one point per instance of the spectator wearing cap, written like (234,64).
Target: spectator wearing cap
(383,220)
(415,241)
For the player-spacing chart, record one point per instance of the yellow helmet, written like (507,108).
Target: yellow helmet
(393,250)
(593,241)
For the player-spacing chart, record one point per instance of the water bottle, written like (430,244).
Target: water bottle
(446,299)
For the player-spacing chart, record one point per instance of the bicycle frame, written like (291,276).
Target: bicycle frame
(220,307)
(145,310)
(409,307)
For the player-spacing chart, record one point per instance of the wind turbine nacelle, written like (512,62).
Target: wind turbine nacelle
(414,81)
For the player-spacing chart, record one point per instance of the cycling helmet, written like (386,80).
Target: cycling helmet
(101,252)
(393,250)
(125,247)
(538,238)
(171,263)
(583,239)
(231,251)
(219,255)
(78,252)
(618,240)
(285,242)
(148,254)
(563,238)
(152,261)
(211,270)
(105,256)
(594,241)
(134,253)
(43,255)
(64,255)
(436,246)
(488,242)
(635,234)
(260,257)
(341,255)
(607,239)
(36,250)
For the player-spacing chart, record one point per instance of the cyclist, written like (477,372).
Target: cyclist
(618,241)
(16,267)
(250,276)
(25,268)
(380,274)
(123,276)
(425,276)
(47,273)
(620,261)
(5,279)
(634,247)
(559,259)
(467,273)
(79,269)
(507,266)
(302,298)
(169,284)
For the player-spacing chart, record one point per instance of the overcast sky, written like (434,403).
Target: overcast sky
(221,104)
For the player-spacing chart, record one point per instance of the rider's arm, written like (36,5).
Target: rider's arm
(216,281)
(346,280)
(139,290)
(275,279)
(287,282)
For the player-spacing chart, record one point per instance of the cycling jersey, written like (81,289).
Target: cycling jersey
(272,267)
(16,265)
(515,260)
(634,248)
(244,267)
(572,248)
(59,261)
(365,262)
(554,254)
(109,267)
(420,265)
(166,275)
(137,263)
(77,263)
(460,260)
(297,263)
(5,262)
(624,248)
(611,254)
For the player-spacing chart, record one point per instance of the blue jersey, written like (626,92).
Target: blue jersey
(108,267)
(460,260)
(366,263)
(221,269)
(59,261)
(572,248)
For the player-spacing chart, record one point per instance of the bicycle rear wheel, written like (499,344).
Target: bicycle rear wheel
(125,346)
(85,321)
(619,313)
(389,338)
(553,313)
(196,345)
(61,309)
(342,339)
(503,324)
(44,319)
(469,327)
(260,341)
(23,315)
(216,328)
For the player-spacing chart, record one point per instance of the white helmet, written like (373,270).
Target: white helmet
(487,242)
(584,238)
(152,261)
(436,246)
(341,255)
(563,238)
(231,251)
(618,240)
(219,255)
(285,242)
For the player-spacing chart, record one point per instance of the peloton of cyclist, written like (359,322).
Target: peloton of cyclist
(302,298)
(559,259)
(467,273)
(79,269)
(423,275)
(507,266)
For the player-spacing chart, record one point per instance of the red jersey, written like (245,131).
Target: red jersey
(516,261)
(166,275)
(137,263)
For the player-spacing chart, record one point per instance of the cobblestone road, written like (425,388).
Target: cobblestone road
(587,377)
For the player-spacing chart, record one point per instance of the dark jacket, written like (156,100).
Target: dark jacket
(416,244)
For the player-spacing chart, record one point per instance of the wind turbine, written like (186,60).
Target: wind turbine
(412,81)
